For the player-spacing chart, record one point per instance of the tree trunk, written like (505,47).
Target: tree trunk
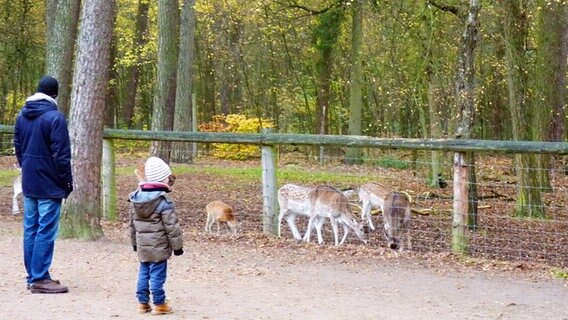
(221,64)
(465,203)
(354,155)
(323,96)
(529,202)
(112,100)
(165,93)
(465,100)
(235,77)
(553,52)
(550,79)
(434,105)
(50,12)
(82,210)
(326,36)
(61,47)
(133,72)
(208,85)
(182,151)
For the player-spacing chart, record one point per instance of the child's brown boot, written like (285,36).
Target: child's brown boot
(143,308)
(162,309)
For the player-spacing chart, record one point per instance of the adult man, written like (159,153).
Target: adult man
(43,150)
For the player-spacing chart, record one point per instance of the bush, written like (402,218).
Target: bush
(239,124)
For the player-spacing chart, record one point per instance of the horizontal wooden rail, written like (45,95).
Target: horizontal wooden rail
(455,145)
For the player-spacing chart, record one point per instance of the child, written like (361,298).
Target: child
(155,233)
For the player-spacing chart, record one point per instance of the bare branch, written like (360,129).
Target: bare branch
(310,11)
(453,9)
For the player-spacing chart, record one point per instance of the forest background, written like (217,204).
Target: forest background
(413,69)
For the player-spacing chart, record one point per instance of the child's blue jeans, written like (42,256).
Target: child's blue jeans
(151,279)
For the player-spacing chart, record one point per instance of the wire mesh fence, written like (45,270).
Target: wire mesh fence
(498,234)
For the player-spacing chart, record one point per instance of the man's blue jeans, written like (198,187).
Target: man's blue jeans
(151,278)
(41,226)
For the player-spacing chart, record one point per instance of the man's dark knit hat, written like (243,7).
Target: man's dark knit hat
(49,86)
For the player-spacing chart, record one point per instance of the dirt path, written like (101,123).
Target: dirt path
(217,279)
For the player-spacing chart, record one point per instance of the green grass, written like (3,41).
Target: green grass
(305,176)
(245,173)
(7,177)
(561,274)
(390,162)
(253,174)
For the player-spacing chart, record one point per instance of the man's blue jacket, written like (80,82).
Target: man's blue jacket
(43,149)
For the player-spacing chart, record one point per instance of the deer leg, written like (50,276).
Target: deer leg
(309,230)
(366,214)
(406,223)
(207,222)
(15,206)
(335,230)
(319,224)
(17,187)
(283,213)
(280,216)
(291,219)
(345,233)
(305,237)
(408,240)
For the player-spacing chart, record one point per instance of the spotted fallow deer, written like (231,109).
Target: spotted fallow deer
(372,196)
(328,202)
(293,200)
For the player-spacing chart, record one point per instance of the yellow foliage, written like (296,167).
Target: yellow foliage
(235,123)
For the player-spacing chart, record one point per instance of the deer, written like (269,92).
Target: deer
(141,176)
(218,212)
(396,217)
(17,190)
(372,196)
(328,202)
(139,173)
(293,200)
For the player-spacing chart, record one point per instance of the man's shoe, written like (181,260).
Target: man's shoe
(143,308)
(28,286)
(48,286)
(162,309)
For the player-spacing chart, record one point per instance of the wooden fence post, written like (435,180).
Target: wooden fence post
(108,181)
(270,203)
(461,210)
